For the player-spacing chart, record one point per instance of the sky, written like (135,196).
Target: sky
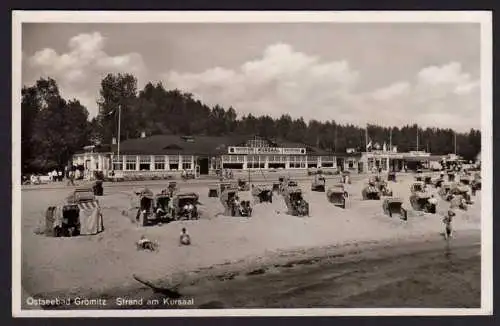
(390,74)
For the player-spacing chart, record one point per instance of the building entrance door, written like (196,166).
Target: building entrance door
(340,164)
(203,165)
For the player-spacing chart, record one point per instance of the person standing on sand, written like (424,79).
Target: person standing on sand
(71,178)
(447,222)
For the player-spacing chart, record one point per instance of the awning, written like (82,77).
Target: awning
(434,158)
(416,159)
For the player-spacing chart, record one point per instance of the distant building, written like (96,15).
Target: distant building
(394,161)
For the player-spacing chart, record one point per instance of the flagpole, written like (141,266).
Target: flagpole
(335,140)
(417,138)
(366,138)
(119,125)
(390,140)
(455,139)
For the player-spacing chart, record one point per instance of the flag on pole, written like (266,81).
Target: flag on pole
(369,146)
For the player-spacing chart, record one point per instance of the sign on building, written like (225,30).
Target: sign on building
(266,150)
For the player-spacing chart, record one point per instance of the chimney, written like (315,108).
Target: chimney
(143,134)
(113,141)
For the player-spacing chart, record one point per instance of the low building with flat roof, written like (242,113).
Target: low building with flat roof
(203,154)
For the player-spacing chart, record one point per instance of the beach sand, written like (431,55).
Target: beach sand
(90,265)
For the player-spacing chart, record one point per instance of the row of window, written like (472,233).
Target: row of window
(273,158)
(377,164)
(156,159)
(132,166)
(159,163)
(252,165)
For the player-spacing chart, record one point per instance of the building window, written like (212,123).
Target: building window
(187,162)
(327,161)
(159,162)
(252,162)
(131,163)
(145,163)
(117,163)
(384,164)
(173,161)
(277,159)
(297,162)
(370,164)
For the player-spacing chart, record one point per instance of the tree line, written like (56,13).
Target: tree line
(54,128)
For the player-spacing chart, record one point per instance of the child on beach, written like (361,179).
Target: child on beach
(447,222)
(185,239)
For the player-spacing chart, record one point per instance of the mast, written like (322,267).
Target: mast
(455,141)
(366,137)
(417,138)
(335,140)
(119,125)
(390,140)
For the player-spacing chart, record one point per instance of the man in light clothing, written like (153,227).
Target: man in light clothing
(447,222)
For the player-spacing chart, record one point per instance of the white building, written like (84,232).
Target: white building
(167,154)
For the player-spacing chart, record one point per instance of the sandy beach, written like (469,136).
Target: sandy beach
(94,265)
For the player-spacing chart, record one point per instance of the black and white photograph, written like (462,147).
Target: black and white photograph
(252,164)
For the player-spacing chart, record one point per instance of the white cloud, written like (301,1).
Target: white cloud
(281,81)
(467,88)
(79,71)
(391,91)
(448,74)
(286,81)
(441,96)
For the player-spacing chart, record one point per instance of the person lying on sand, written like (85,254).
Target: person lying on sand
(184,239)
(145,244)
(447,222)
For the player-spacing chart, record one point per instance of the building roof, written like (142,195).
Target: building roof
(176,144)
(348,155)
(101,148)
(195,145)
